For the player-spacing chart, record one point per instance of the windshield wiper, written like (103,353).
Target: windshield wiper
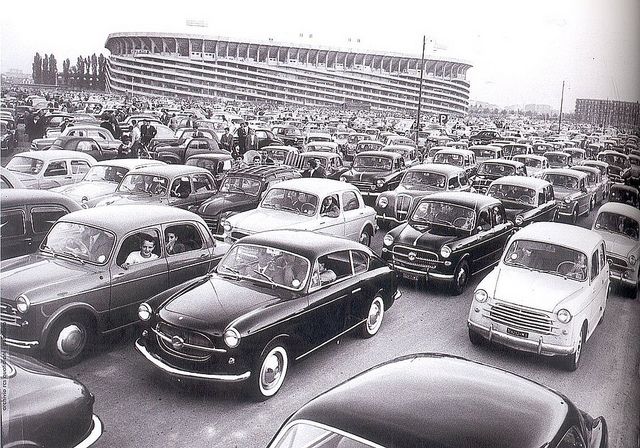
(72,255)
(231,270)
(269,279)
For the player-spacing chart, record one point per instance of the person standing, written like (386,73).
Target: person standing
(226,141)
(314,170)
(242,139)
(147,133)
(29,125)
(252,141)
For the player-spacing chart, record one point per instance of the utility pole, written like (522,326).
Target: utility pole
(424,42)
(561,101)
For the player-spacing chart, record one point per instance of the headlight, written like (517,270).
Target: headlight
(380,183)
(519,220)
(567,201)
(23,304)
(144,311)
(226,225)
(632,260)
(382,202)
(232,338)
(481,295)
(387,240)
(445,251)
(343,179)
(564,316)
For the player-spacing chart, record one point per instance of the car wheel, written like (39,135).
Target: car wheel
(365,237)
(381,224)
(68,340)
(270,372)
(475,338)
(633,290)
(574,216)
(572,361)
(374,318)
(461,278)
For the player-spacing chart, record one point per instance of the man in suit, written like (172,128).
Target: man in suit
(98,244)
(242,139)
(226,141)
(314,170)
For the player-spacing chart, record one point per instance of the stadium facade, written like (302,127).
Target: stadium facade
(211,67)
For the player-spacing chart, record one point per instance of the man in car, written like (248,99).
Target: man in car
(144,254)
(173,246)
(314,170)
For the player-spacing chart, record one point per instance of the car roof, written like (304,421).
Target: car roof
(308,244)
(53,154)
(388,154)
(317,186)
(621,209)
(435,400)
(462,152)
(131,164)
(586,169)
(130,216)
(170,170)
(10,197)
(567,235)
(513,163)
(462,198)
(530,156)
(440,168)
(211,155)
(522,181)
(565,171)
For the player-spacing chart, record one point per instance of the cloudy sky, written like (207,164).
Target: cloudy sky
(521,50)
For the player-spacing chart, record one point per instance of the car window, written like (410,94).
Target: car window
(330,206)
(484,220)
(43,218)
(12,223)
(360,261)
(79,167)
(498,215)
(58,168)
(462,178)
(181,188)
(182,238)
(549,193)
(261,134)
(331,268)
(350,201)
(202,183)
(595,265)
(131,247)
(571,439)
(454,183)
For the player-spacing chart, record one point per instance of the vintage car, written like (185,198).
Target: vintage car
(458,144)
(279,155)
(490,170)
(103,136)
(625,194)
(534,163)
(9,180)
(409,153)
(290,135)
(486,152)
(462,158)
(484,137)
(180,137)
(48,169)
(86,145)
(392,207)
(578,155)
(539,148)
(449,237)
(102,179)
(27,216)
(274,298)
(88,276)
(241,190)
(559,159)
(554,274)
(44,407)
(509,151)
(177,185)
(264,137)
(321,205)
(375,171)
(352,143)
(525,199)
(322,147)
(435,400)
(218,164)
(595,184)
(618,164)
(570,191)
(604,172)
(331,162)
(180,154)
(618,224)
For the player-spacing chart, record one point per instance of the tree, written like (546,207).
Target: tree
(80,71)
(66,71)
(53,70)
(37,69)
(45,69)
(102,72)
(94,66)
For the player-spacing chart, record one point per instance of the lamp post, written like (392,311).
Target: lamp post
(424,42)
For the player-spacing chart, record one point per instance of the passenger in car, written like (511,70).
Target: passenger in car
(172,245)
(144,254)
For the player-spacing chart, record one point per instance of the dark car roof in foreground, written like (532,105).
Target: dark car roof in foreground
(305,243)
(432,400)
(11,197)
(129,217)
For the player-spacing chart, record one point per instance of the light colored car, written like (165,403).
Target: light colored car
(102,179)
(321,146)
(8,179)
(324,205)
(619,226)
(534,163)
(99,134)
(547,294)
(49,169)
(595,184)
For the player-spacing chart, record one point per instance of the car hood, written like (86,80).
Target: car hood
(223,201)
(212,305)
(38,276)
(129,198)
(260,220)
(532,288)
(561,192)
(361,175)
(90,190)
(618,244)
(425,237)
(417,192)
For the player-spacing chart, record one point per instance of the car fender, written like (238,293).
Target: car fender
(64,311)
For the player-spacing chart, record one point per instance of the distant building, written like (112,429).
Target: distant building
(621,114)
(538,108)
(14,76)
(210,67)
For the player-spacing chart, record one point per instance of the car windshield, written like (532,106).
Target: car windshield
(144,183)
(240,185)
(616,223)
(307,435)
(557,159)
(369,146)
(496,169)
(513,193)
(613,159)
(484,153)
(444,214)
(562,180)
(355,138)
(372,163)
(105,173)
(530,162)
(547,257)
(81,242)
(26,165)
(449,159)
(266,265)
(293,201)
(292,132)
(420,180)
(322,146)
(517,150)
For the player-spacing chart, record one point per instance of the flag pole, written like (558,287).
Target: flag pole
(424,41)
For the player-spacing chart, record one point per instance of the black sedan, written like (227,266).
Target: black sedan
(375,171)
(433,400)
(41,407)
(86,145)
(275,297)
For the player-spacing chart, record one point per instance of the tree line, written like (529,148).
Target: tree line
(87,73)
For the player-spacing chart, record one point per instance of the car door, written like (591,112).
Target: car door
(585,196)
(354,215)
(190,256)
(57,173)
(202,188)
(331,221)
(132,285)
(16,237)
(494,238)
(78,169)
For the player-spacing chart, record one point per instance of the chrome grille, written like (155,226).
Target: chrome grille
(212,223)
(403,203)
(521,318)
(196,346)
(363,186)
(421,260)
(9,315)
(617,261)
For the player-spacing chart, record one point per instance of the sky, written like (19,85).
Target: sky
(521,50)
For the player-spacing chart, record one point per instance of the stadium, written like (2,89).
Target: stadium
(185,65)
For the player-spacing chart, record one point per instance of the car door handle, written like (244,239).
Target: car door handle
(356,290)
(204,255)
(119,274)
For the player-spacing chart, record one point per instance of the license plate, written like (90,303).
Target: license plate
(410,276)
(520,334)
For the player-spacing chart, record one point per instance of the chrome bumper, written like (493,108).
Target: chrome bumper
(18,344)
(160,364)
(390,218)
(617,276)
(527,345)
(427,274)
(369,193)
(94,435)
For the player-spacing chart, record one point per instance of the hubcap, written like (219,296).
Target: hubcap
(71,340)
(375,315)
(363,238)
(273,370)
(462,276)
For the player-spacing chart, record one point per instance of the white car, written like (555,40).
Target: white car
(547,294)
(324,205)
(619,226)
(49,169)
